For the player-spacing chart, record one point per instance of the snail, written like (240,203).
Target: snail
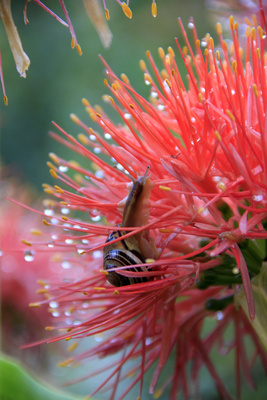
(134,249)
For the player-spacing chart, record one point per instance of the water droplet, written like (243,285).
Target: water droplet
(54,221)
(54,237)
(96,219)
(80,251)
(77,322)
(193,119)
(56,313)
(67,313)
(97,150)
(161,107)
(85,305)
(219,315)
(232,91)
(147,82)
(63,168)
(154,93)
(257,197)
(92,137)
(97,254)
(203,43)
(68,241)
(99,174)
(113,159)
(85,241)
(120,167)
(166,86)
(53,304)
(107,136)
(66,265)
(127,116)
(148,341)
(50,245)
(190,25)
(65,210)
(98,337)
(29,255)
(49,212)
(1,253)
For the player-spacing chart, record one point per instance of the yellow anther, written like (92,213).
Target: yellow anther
(65,363)
(41,282)
(116,292)
(218,136)
(211,43)
(165,230)
(248,29)
(253,33)
(161,52)
(185,50)
(63,203)
(165,188)
(231,22)
(200,97)
(254,20)
(35,305)
(148,78)
(219,28)
(236,26)
(74,118)
(127,11)
(230,115)
(65,218)
(255,90)
(72,347)
(36,232)
(83,139)
(48,203)
(260,31)
(103,271)
(125,79)
(206,52)
(154,10)
(234,65)
(58,189)
(85,102)
(50,165)
(258,53)
(142,65)
(72,43)
(248,22)
(26,242)
(168,83)
(198,43)
(49,328)
(150,260)
(171,52)
(53,173)
(201,210)
(107,14)
(79,49)
(218,55)
(45,222)
(54,158)
(99,288)
(148,54)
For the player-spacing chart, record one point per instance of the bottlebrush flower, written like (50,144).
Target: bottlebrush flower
(197,224)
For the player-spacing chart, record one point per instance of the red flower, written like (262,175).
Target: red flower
(195,223)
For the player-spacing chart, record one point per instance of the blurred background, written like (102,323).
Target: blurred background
(58,78)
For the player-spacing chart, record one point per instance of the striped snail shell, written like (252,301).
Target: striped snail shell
(126,251)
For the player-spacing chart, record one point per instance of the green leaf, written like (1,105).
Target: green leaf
(17,383)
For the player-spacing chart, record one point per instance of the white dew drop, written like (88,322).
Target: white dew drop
(63,168)
(53,304)
(49,212)
(66,265)
(68,241)
(191,25)
(29,255)
(65,210)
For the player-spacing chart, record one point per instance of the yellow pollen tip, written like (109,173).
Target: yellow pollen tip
(161,52)
(54,158)
(125,79)
(50,165)
(105,82)
(116,292)
(45,222)
(260,31)
(168,83)
(211,43)
(198,43)
(74,118)
(236,26)
(258,53)
(148,53)
(255,90)
(79,49)
(5,100)
(218,136)
(36,232)
(185,50)
(221,186)
(63,203)
(150,260)
(53,173)
(148,78)
(248,29)
(254,20)
(35,305)
(103,271)
(83,139)
(165,230)
(65,363)
(72,43)
(231,22)
(142,65)
(99,288)
(85,102)
(219,28)
(41,282)
(49,191)
(154,10)
(49,328)
(234,65)
(157,394)
(230,115)
(200,98)
(206,52)
(201,210)
(85,293)
(218,55)
(82,253)
(26,242)
(72,347)
(253,34)
(107,14)
(65,218)
(165,188)
(58,189)
(127,11)
(248,21)
(41,291)
(171,52)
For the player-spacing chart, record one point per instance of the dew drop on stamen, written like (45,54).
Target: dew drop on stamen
(97,254)
(190,25)
(257,197)
(219,315)
(99,174)
(53,304)
(77,226)
(1,253)
(232,91)
(65,210)
(107,136)
(161,107)
(85,241)
(80,251)
(203,43)
(50,245)
(96,219)
(49,212)
(92,137)
(54,237)
(66,265)
(28,255)
(154,93)
(120,167)
(113,159)
(54,221)
(63,168)
(193,119)
(127,116)
(56,314)
(77,322)
(68,241)
(67,313)
(97,150)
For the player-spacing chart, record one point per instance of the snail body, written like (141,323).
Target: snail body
(136,248)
